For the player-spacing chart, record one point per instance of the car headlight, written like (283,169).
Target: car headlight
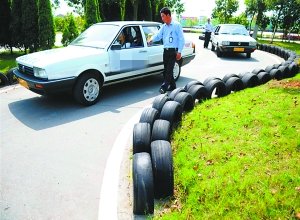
(225,43)
(252,43)
(40,73)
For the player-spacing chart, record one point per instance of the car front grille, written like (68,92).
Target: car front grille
(25,69)
(238,44)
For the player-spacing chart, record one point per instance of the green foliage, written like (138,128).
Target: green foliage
(70,31)
(59,23)
(241,19)
(224,10)
(91,12)
(175,6)
(46,25)
(145,11)
(5,36)
(29,27)
(17,35)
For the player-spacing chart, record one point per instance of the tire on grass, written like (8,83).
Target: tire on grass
(141,138)
(186,101)
(175,92)
(250,80)
(161,130)
(198,92)
(149,115)
(276,74)
(143,188)
(192,83)
(3,79)
(263,77)
(172,112)
(162,166)
(159,102)
(228,76)
(216,85)
(234,84)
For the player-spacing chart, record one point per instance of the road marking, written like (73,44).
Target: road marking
(108,205)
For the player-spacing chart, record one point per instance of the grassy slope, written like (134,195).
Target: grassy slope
(238,157)
(8,61)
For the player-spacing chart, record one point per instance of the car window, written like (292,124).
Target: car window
(130,37)
(98,36)
(150,31)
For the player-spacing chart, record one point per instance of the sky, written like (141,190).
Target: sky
(193,8)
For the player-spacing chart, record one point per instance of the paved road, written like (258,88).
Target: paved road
(54,152)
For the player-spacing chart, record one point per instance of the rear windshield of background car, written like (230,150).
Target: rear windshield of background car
(234,30)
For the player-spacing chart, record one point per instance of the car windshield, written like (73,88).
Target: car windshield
(98,36)
(234,30)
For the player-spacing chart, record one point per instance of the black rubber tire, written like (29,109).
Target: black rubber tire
(208,79)
(242,74)
(263,77)
(286,63)
(83,84)
(212,47)
(257,71)
(149,115)
(217,84)
(162,166)
(172,112)
(159,102)
(143,185)
(3,79)
(11,76)
(276,74)
(277,65)
(175,92)
(285,71)
(198,92)
(141,138)
(191,83)
(186,101)
(269,68)
(294,69)
(219,53)
(234,84)
(250,80)
(161,130)
(178,75)
(228,76)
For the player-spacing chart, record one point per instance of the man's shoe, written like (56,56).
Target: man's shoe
(162,91)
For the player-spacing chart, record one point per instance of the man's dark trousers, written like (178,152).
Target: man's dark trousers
(169,59)
(206,39)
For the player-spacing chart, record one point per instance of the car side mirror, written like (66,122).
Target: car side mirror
(116,47)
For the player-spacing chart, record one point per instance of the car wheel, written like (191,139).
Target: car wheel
(248,55)
(212,47)
(219,53)
(87,89)
(176,71)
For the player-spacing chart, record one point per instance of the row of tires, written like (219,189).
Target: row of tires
(153,173)
(7,79)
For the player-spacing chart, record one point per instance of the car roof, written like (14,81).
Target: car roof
(231,25)
(122,23)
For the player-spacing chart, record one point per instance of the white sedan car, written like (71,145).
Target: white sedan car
(232,38)
(97,58)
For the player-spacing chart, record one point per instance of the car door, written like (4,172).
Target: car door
(214,36)
(130,60)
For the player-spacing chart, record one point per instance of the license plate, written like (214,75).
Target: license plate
(23,83)
(238,49)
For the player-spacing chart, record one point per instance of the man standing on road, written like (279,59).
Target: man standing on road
(208,30)
(172,35)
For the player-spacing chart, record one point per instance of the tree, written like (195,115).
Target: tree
(145,11)
(30,28)
(91,12)
(46,25)
(5,36)
(70,31)
(224,10)
(175,6)
(17,36)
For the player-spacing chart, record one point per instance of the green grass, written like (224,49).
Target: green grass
(291,46)
(238,157)
(8,61)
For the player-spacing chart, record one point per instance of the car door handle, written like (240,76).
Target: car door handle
(143,51)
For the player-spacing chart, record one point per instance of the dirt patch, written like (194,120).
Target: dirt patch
(289,84)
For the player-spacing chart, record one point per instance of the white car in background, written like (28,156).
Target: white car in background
(95,59)
(232,38)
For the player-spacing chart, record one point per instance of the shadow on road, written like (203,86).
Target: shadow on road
(42,112)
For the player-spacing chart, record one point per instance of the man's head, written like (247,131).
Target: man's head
(208,20)
(165,14)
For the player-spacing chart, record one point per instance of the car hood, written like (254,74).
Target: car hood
(235,38)
(47,57)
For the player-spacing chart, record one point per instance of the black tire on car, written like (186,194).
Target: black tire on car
(87,88)
(149,115)
(228,76)
(161,130)
(172,112)
(276,74)
(263,77)
(191,83)
(212,47)
(159,102)
(3,79)
(219,53)
(175,92)
(248,55)
(185,100)
(234,84)
(216,85)
(141,138)
(250,80)
(176,71)
(143,188)
(162,166)
(198,92)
